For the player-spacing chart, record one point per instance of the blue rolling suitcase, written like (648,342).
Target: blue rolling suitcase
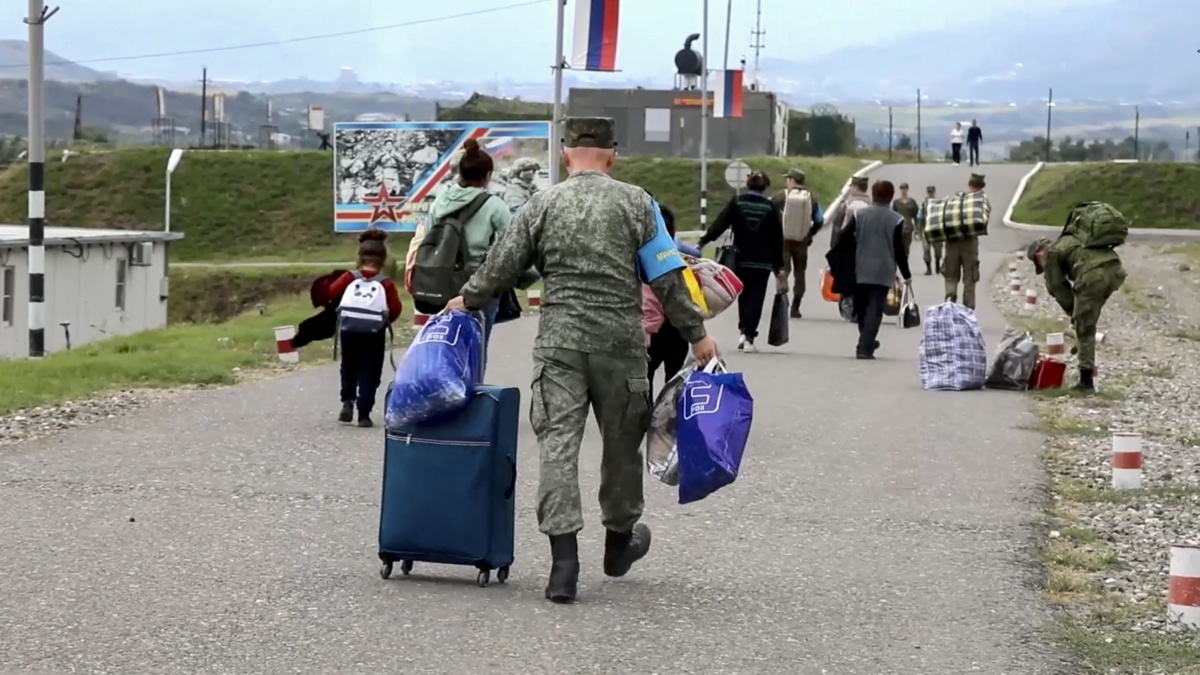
(449,489)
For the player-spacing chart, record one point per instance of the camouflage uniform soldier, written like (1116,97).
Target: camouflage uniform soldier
(932,263)
(583,235)
(908,208)
(520,186)
(1082,270)
(962,259)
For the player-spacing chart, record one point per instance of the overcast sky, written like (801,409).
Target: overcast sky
(515,43)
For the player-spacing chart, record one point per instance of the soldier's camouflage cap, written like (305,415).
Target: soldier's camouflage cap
(903,186)
(589,132)
(1034,248)
(795,174)
(930,189)
(859,182)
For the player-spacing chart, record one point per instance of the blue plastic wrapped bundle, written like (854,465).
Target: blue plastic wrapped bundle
(438,373)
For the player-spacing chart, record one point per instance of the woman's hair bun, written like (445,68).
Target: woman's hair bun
(372,234)
(471,148)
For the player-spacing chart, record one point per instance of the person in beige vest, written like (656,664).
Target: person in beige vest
(802,218)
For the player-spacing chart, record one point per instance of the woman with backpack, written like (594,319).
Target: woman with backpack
(484,216)
(367,305)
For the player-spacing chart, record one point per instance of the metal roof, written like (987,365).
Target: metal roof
(14,236)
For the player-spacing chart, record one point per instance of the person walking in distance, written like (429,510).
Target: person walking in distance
(877,236)
(908,208)
(957,135)
(929,246)
(758,239)
(962,259)
(586,236)
(974,138)
(856,198)
(1082,270)
(802,218)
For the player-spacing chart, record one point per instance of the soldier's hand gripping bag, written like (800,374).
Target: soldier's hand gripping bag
(713,426)
(437,376)
(662,458)
(1015,361)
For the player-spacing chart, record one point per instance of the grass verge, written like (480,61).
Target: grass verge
(278,206)
(1151,195)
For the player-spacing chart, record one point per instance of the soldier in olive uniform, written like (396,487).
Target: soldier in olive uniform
(1081,279)
(583,236)
(932,263)
(962,259)
(908,208)
(520,187)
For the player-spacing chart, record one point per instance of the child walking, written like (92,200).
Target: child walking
(369,304)
(666,347)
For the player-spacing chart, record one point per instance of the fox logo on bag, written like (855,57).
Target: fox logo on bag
(701,398)
(364,306)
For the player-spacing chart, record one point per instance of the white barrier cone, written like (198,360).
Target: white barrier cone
(534,296)
(283,344)
(1030,301)
(1056,344)
(1126,460)
(1183,592)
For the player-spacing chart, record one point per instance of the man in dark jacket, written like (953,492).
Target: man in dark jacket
(758,239)
(974,138)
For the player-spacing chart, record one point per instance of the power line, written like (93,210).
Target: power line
(306,38)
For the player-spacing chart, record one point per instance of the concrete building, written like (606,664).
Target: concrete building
(100,283)
(666,122)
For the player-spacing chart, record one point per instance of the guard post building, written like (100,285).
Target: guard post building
(99,284)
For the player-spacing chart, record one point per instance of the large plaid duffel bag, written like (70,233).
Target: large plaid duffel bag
(961,216)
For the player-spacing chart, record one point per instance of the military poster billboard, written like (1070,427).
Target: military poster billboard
(387,174)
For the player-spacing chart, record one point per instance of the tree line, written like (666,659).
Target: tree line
(1069,149)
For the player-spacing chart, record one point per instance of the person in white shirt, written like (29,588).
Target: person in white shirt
(957,135)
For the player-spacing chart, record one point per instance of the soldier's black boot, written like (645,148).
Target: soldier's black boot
(564,569)
(928,270)
(937,266)
(1086,382)
(622,550)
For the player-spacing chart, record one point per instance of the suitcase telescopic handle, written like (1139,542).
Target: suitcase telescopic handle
(512,483)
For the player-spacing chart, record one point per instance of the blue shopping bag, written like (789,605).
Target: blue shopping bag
(715,413)
(437,376)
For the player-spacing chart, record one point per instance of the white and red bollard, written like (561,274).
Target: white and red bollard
(1014,284)
(1126,460)
(1012,269)
(1183,590)
(1056,344)
(283,344)
(1020,254)
(534,297)
(1030,301)
(420,319)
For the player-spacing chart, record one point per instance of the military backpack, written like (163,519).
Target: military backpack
(1097,225)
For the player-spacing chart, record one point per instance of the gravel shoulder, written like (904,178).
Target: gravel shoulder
(1106,552)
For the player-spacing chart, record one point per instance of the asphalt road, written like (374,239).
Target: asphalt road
(876,529)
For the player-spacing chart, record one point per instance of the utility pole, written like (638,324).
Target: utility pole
(758,45)
(1049,117)
(203,106)
(556,116)
(1137,123)
(918,125)
(890,128)
(728,23)
(704,123)
(38,16)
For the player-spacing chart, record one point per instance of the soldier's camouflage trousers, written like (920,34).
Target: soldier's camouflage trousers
(961,263)
(564,382)
(1092,290)
(928,246)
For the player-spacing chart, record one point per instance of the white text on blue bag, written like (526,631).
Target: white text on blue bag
(364,306)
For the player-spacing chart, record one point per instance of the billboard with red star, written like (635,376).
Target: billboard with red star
(387,174)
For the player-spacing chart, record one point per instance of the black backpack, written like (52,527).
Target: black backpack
(440,267)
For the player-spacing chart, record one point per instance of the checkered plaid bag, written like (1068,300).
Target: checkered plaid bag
(952,353)
(959,217)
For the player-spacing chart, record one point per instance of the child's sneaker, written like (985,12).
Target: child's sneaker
(364,421)
(749,347)
(347,414)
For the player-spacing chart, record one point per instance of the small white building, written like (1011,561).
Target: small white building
(99,283)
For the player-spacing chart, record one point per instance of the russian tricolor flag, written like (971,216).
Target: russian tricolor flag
(596,35)
(727,93)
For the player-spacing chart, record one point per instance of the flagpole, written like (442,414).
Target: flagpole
(556,123)
(728,22)
(704,123)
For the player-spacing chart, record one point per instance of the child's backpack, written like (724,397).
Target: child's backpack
(440,266)
(364,306)
(1097,225)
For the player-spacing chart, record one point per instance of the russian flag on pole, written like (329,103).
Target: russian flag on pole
(727,93)
(596,35)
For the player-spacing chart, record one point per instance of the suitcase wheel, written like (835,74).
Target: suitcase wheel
(386,570)
(502,574)
(406,567)
(485,577)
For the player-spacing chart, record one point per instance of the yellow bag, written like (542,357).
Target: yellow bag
(693,286)
(895,298)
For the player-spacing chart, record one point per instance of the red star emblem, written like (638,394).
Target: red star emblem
(383,205)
